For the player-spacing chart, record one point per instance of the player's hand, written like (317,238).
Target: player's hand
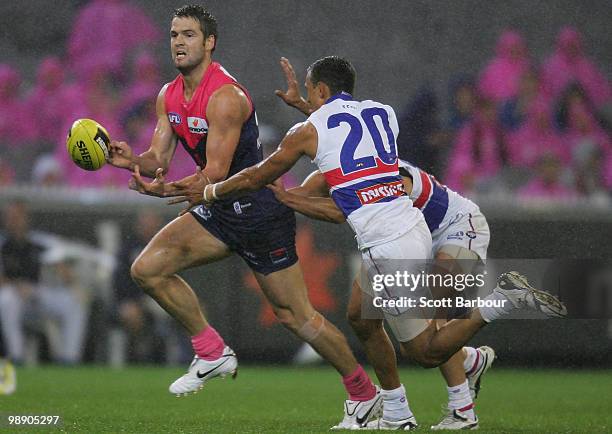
(292,96)
(279,191)
(120,154)
(157,187)
(189,190)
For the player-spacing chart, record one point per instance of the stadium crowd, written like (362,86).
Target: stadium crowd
(541,131)
(536,130)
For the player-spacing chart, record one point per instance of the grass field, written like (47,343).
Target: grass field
(301,400)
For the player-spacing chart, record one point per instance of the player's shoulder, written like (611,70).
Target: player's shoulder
(169,87)
(302,128)
(378,104)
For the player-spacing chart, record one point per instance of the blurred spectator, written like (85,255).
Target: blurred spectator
(144,84)
(479,151)
(7,174)
(536,137)
(501,77)
(47,172)
(105,33)
(15,126)
(569,64)
(420,139)
(140,319)
(514,111)
(547,184)
(98,101)
(51,102)
(462,102)
(578,122)
(24,302)
(589,165)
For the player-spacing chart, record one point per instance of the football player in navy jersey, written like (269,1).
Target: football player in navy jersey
(212,116)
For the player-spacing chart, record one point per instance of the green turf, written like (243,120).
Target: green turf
(285,400)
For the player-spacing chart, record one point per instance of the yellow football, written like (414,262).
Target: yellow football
(87,144)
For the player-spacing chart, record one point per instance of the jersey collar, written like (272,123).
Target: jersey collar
(341,95)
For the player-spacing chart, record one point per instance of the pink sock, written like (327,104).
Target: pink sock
(207,344)
(359,386)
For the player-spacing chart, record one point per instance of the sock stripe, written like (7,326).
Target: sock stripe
(467,407)
(475,366)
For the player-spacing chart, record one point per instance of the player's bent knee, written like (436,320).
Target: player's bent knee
(142,273)
(353,314)
(364,328)
(419,356)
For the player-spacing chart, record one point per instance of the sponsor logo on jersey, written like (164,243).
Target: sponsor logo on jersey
(174,118)
(238,207)
(380,191)
(456,236)
(197,125)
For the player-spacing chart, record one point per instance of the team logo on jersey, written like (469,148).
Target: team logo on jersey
(381,191)
(174,118)
(197,125)
(279,256)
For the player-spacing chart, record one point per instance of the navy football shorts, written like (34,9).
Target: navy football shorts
(266,241)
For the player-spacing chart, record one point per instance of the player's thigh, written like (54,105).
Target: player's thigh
(285,289)
(183,243)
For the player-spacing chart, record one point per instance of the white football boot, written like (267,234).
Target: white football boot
(399,425)
(357,414)
(516,288)
(475,378)
(200,371)
(456,420)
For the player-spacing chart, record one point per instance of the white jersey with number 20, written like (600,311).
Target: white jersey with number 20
(357,154)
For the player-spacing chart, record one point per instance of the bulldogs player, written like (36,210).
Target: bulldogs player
(353,144)
(460,237)
(212,117)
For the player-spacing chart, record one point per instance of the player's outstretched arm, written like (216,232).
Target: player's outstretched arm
(310,199)
(159,154)
(292,95)
(300,140)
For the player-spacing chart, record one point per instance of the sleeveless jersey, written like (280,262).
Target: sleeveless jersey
(357,154)
(438,203)
(190,124)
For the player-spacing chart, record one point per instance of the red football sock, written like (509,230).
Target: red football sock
(359,386)
(207,344)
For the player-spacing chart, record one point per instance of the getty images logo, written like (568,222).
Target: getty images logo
(197,125)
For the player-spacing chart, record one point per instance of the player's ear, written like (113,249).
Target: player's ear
(323,91)
(209,43)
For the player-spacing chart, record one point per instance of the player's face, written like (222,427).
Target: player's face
(187,43)
(314,93)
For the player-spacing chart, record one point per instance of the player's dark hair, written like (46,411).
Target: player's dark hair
(208,23)
(337,73)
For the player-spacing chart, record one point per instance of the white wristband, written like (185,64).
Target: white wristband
(204,194)
(214,192)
